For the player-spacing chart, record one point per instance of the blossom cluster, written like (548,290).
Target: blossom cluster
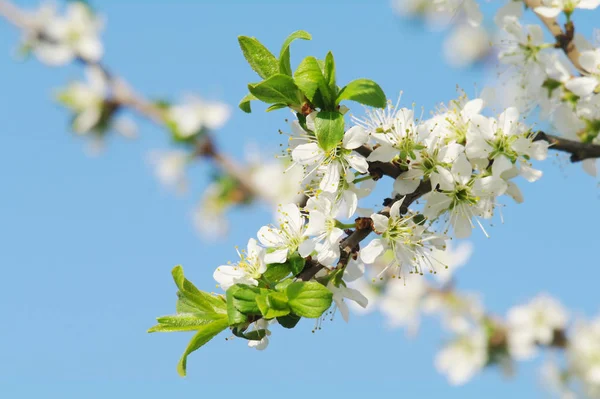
(450,174)
(565,92)
(467,160)
(461,161)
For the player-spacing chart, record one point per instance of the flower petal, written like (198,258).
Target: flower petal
(355,137)
(372,251)
(582,86)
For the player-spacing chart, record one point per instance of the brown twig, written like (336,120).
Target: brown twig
(564,38)
(579,151)
(124,96)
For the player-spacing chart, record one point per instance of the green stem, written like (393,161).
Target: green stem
(341,225)
(364,178)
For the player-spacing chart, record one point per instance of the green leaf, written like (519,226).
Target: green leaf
(245,103)
(259,57)
(309,78)
(281,287)
(184,305)
(205,333)
(308,299)
(276,272)
(330,73)
(183,322)
(234,316)
(363,91)
(278,89)
(277,300)
(289,321)
(266,300)
(243,298)
(253,335)
(329,128)
(275,107)
(203,301)
(296,263)
(284,55)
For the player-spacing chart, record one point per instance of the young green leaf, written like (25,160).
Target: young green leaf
(281,287)
(277,300)
(278,89)
(330,73)
(205,333)
(259,57)
(296,263)
(289,321)
(183,322)
(308,299)
(254,335)
(244,298)
(245,103)
(363,91)
(265,302)
(309,78)
(184,305)
(329,128)
(275,107)
(234,316)
(284,55)
(204,302)
(276,272)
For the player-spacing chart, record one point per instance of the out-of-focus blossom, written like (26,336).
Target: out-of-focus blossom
(466,45)
(533,324)
(463,357)
(195,114)
(59,39)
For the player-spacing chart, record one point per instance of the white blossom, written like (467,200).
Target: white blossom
(466,45)
(354,270)
(533,324)
(464,197)
(196,114)
(277,182)
(411,243)
(400,138)
(288,238)
(469,7)
(64,38)
(464,357)
(551,8)
(248,270)
(402,300)
(322,227)
(86,99)
(453,124)
(342,293)
(261,344)
(583,354)
(586,85)
(335,164)
(170,166)
(505,141)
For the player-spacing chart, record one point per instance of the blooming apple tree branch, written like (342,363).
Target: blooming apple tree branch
(98,104)
(449,173)
(459,162)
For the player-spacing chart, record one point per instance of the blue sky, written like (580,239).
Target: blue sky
(87,244)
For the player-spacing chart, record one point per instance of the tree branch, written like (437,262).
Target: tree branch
(378,169)
(564,39)
(124,96)
(579,151)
